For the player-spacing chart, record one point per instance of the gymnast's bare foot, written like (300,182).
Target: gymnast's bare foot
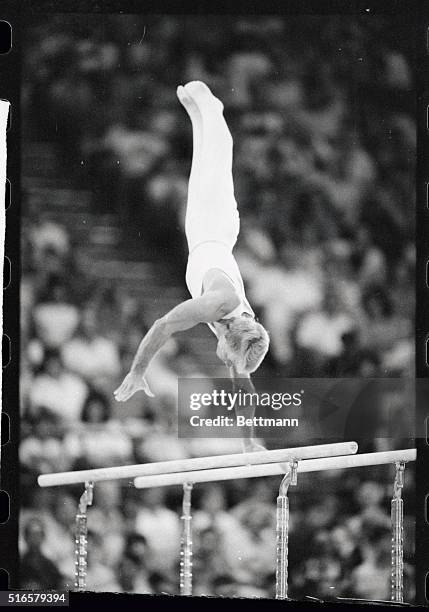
(190,106)
(200,94)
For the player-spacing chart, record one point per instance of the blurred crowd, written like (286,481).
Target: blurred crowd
(321,111)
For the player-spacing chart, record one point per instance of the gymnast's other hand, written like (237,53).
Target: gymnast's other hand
(251,446)
(132,383)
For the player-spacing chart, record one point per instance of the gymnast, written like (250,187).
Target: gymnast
(212,275)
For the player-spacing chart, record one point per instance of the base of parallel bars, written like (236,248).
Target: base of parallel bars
(282,531)
(186,542)
(397,526)
(81,537)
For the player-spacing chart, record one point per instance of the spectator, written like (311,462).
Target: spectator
(383,328)
(57,390)
(55,318)
(42,450)
(132,577)
(38,571)
(99,440)
(160,526)
(99,576)
(353,359)
(319,333)
(91,356)
(96,408)
(371,579)
(45,234)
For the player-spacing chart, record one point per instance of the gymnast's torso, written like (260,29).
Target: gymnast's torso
(211,264)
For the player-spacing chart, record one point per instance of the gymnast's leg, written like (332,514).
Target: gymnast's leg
(211,212)
(211,208)
(197,135)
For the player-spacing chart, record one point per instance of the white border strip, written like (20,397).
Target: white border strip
(4,113)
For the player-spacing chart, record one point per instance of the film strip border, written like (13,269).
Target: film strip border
(422,307)
(10,66)
(10,61)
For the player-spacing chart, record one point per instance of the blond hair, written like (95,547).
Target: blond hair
(247,342)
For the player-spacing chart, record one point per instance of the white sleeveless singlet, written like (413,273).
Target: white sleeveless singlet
(215,255)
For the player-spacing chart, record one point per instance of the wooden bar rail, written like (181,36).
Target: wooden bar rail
(197,463)
(272,469)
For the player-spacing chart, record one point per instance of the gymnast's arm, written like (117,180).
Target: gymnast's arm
(210,307)
(244,383)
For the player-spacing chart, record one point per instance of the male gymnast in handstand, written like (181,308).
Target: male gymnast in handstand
(212,275)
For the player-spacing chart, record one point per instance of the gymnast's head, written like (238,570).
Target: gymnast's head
(243,343)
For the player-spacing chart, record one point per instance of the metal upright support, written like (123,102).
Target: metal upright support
(290,478)
(81,539)
(186,542)
(397,521)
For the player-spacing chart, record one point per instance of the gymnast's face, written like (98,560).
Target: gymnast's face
(222,349)
(243,343)
(231,339)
